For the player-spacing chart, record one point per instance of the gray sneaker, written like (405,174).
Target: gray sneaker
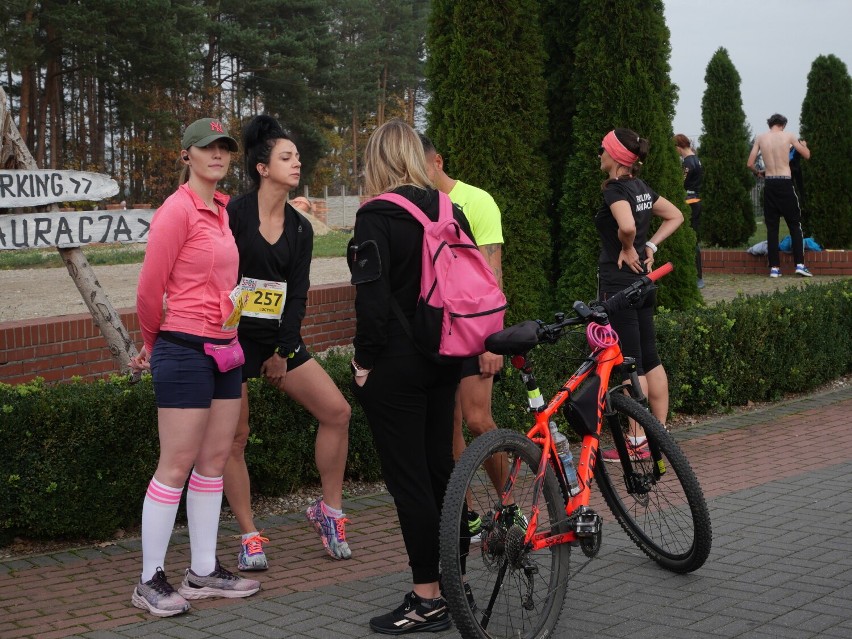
(219,583)
(158,597)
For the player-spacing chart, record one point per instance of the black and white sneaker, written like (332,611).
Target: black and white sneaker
(414,615)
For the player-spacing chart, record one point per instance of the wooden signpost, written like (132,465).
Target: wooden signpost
(67,229)
(39,187)
(23,184)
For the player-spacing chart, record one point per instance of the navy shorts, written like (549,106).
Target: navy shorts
(257,353)
(187,378)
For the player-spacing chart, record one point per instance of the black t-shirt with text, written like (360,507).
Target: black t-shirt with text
(641,199)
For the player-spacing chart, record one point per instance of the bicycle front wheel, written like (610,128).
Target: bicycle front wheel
(495,586)
(659,506)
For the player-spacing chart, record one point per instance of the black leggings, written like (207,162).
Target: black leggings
(695,222)
(409,402)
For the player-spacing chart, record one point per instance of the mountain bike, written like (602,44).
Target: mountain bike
(506,543)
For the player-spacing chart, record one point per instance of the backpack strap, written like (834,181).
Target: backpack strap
(445,206)
(445,209)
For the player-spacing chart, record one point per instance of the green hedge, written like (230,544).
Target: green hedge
(76,457)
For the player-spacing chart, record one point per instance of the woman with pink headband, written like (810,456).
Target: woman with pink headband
(627,253)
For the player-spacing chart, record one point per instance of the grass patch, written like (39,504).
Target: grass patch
(331,245)
(759,235)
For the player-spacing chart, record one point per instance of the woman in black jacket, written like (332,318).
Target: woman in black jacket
(275,243)
(408,398)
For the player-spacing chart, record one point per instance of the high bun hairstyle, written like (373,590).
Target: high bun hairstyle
(259,138)
(636,145)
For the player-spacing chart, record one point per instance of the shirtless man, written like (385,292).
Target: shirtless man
(779,196)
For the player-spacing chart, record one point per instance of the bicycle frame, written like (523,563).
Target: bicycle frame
(601,361)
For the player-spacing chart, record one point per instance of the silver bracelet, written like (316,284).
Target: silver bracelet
(651,246)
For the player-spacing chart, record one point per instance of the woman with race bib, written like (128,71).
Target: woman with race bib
(275,243)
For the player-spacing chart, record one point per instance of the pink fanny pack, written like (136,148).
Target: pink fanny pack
(227,356)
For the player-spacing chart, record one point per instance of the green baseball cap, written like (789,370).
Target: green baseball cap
(206,131)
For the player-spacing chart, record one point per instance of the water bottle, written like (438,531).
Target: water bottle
(563,449)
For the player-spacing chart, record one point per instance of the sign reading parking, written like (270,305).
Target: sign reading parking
(39,187)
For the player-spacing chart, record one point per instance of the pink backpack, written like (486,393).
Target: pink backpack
(460,302)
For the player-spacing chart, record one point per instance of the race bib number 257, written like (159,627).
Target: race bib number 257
(263,298)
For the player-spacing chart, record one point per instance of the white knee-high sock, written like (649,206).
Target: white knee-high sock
(203,506)
(158,520)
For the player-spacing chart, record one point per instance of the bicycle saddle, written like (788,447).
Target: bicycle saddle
(515,340)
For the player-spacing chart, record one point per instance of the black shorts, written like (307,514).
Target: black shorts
(257,353)
(470,367)
(187,378)
(636,333)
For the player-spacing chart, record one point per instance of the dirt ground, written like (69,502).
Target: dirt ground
(48,292)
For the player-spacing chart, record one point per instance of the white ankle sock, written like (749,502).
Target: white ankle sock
(203,506)
(636,441)
(328,510)
(158,520)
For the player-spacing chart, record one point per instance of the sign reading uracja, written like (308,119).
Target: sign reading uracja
(66,228)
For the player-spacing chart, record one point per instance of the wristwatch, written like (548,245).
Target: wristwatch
(359,370)
(284,352)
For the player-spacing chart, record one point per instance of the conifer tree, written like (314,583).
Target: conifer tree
(825,126)
(622,80)
(493,125)
(559,29)
(727,209)
(439,44)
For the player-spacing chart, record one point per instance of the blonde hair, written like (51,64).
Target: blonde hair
(394,157)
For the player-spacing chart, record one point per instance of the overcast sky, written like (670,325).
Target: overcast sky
(772,44)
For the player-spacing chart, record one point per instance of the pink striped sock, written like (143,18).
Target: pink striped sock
(158,520)
(203,505)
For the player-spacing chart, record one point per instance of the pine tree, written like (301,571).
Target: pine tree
(825,126)
(622,80)
(727,209)
(494,125)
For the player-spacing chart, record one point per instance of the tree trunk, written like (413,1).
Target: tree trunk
(355,145)
(108,320)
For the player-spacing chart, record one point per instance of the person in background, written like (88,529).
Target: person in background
(190,261)
(693,172)
(627,253)
(275,243)
(779,194)
(408,398)
(473,398)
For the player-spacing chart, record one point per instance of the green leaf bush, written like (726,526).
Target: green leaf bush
(76,457)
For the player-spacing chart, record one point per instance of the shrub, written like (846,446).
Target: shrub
(76,457)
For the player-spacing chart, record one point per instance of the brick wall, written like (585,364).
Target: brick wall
(741,262)
(59,348)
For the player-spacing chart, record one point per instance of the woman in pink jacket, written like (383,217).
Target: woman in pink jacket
(183,302)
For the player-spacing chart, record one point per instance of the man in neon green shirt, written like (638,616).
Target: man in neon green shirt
(473,398)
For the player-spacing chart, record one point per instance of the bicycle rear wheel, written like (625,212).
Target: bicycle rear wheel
(664,514)
(511,591)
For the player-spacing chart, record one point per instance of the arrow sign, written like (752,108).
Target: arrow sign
(39,187)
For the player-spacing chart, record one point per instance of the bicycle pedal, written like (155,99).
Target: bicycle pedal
(586,522)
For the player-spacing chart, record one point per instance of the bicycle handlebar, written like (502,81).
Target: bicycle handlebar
(633,293)
(521,338)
